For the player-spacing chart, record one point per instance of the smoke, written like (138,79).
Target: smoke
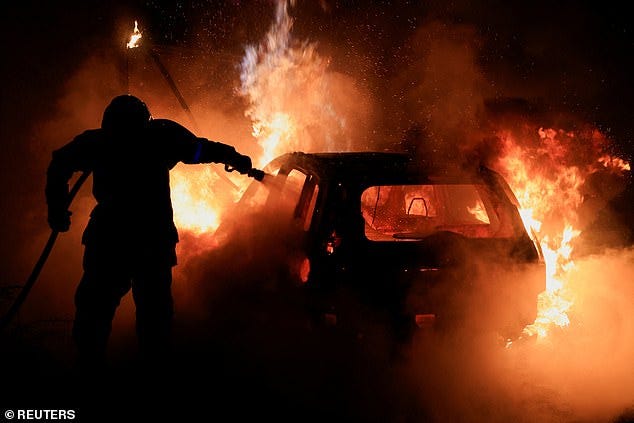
(577,374)
(444,88)
(250,335)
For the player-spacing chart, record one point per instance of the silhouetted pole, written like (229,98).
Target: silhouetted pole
(181,100)
(168,78)
(127,71)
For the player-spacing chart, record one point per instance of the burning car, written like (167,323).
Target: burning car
(383,238)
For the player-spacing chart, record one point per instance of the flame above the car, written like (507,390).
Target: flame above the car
(547,176)
(288,89)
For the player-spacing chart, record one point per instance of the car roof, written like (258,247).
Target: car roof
(365,164)
(349,162)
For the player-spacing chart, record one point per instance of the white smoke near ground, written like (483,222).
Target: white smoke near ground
(589,364)
(580,373)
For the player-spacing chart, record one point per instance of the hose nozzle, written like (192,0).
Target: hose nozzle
(256,174)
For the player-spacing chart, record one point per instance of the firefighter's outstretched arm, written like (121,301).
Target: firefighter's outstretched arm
(207,151)
(190,149)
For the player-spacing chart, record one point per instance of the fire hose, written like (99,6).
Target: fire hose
(254,173)
(15,307)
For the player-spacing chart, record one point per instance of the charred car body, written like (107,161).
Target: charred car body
(381,237)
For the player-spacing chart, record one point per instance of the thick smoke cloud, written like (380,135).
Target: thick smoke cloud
(443,87)
(577,374)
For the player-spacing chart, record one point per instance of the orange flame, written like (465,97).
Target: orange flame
(288,88)
(478,211)
(547,184)
(192,198)
(135,37)
(614,162)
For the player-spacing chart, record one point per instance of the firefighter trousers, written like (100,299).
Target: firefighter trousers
(104,283)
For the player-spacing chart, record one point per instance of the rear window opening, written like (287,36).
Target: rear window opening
(414,212)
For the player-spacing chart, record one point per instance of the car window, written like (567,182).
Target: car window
(293,185)
(311,201)
(290,191)
(282,190)
(413,212)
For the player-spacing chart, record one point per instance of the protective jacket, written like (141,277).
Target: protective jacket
(131,182)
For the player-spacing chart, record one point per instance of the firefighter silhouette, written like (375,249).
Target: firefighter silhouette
(130,239)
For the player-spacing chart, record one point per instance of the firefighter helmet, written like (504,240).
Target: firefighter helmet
(125,112)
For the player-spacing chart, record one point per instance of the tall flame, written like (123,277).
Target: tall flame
(547,182)
(135,37)
(287,86)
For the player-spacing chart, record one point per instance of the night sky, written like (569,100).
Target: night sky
(567,62)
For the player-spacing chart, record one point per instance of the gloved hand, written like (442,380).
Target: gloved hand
(59,220)
(242,163)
